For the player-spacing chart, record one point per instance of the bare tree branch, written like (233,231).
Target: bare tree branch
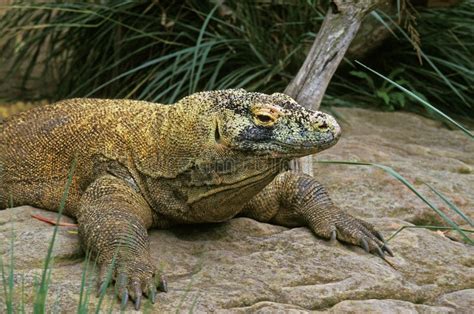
(339,28)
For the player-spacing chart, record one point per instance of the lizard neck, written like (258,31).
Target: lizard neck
(175,138)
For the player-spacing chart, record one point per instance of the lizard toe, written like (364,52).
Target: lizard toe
(370,229)
(161,283)
(142,282)
(389,251)
(121,281)
(361,233)
(374,245)
(151,292)
(365,245)
(121,288)
(124,299)
(370,244)
(333,236)
(136,293)
(379,236)
(127,288)
(106,273)
(133,279)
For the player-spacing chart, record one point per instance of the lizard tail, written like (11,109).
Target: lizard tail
(3,194)
(3,201)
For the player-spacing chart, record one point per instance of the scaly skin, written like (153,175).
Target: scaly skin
(210,157)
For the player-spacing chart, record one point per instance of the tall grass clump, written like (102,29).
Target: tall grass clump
(445,76)
(42,287)
(158,51)
(161,51)
(7,278)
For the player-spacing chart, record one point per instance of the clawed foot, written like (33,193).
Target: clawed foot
(133,279)
(349,229)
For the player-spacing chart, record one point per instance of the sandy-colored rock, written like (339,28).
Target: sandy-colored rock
(386,307)
(421,150)
(462,301)
(244,266)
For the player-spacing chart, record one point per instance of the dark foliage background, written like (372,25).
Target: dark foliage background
(163,50)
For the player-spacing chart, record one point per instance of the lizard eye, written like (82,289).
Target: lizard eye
(265,116)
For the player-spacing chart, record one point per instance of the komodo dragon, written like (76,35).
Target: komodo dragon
(210,157)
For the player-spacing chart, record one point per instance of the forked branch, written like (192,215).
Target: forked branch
(339,28)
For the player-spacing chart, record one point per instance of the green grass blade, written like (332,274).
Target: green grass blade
(434,67)
(424,102)
(5,288)
(377,16)
(451,205)
(82,302)
(11,272)
(40,300)
(8,282)
(22,300)
(192,309)
(423,227)
(144,66)
(194,80)
(108,280)
(202,63)
(89,292)
(187,290)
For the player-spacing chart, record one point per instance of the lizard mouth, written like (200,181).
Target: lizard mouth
(279,149)
(307,146)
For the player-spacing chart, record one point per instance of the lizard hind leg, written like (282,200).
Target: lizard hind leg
(113,220)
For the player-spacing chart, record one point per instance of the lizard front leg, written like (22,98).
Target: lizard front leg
(113,220)
(295,199)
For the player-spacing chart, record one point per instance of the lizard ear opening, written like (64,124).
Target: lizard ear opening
(217,133)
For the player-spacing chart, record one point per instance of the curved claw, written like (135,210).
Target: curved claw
(163,284)
(124,298)
(105,278)
(121,282)
(102,287)
(388,250)
(364,245)
(152,294)
(138,300)
(137,293)
(379,252)
(379,236)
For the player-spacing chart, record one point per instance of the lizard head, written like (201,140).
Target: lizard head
(235,142)
(273,125)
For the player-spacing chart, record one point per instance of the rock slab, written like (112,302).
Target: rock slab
(244,266)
